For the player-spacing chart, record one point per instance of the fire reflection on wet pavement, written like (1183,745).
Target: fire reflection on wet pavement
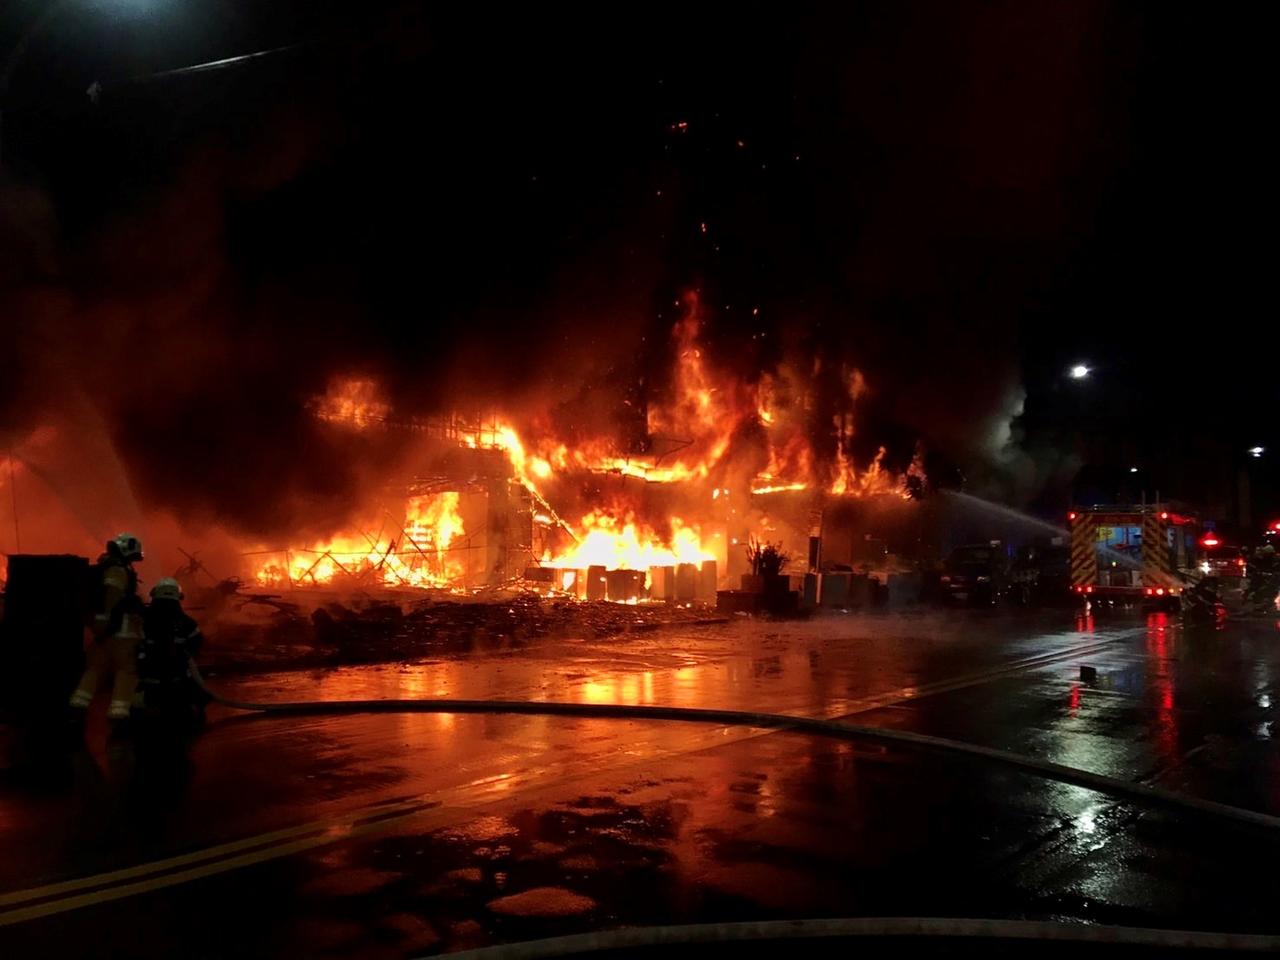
(476,829)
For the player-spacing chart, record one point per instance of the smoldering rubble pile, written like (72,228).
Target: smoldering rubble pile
(337,633)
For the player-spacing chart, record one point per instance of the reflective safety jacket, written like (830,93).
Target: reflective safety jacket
(119,610)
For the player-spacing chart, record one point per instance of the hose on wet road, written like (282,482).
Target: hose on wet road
(1110,786)
(630,940)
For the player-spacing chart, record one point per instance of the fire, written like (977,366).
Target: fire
(764,403)
(875,479)
(353,401)
(595,458)
(790,465)
(724,437)
(791,458)
(764,485)
(432,523)
(418,556)
(705,410)
(625,544)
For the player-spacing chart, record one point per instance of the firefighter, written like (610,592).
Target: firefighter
(116,629)
(1263,588)
(1201,601)
(170,640)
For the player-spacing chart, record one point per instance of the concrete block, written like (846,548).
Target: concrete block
(904,588)
(708,580)
(597,586)
(547,575)
(686,582)
(809,592)
(662,583)
(835,589)
(861,590)
(737,601)
(622,586)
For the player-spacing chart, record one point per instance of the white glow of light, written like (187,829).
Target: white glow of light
(1085,822)
(1079,371)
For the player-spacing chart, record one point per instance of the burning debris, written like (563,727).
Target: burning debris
(335,632)
(419,556)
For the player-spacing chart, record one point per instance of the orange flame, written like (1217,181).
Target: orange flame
(621,543)
(873,480)
(352,401)
(417,557)
(711,426)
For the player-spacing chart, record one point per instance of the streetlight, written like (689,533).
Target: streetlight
(1133,469)
(43,22)
(1079,371)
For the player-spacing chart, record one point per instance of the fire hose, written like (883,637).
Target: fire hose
(1110,786)
(790,930)
(629,939)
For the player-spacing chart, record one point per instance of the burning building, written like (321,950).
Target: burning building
(458,519)
(493,498)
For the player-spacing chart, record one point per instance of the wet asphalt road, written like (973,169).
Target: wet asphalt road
(397,835)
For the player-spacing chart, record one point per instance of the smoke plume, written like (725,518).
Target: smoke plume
(882,197)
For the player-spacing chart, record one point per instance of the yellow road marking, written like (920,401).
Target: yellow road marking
(121,891)
(207,853)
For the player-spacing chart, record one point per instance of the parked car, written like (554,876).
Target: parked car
(1223,561)
(975,574)
(1041,575)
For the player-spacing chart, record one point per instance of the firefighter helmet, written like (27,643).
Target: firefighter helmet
(167,588)
(126,545)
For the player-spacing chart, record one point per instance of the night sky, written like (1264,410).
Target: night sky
(960,199)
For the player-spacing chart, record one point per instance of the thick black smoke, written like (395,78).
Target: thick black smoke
(480,216)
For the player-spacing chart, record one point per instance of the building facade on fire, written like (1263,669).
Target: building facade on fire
(459,519)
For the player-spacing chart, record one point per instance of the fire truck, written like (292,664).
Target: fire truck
(1145,553)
